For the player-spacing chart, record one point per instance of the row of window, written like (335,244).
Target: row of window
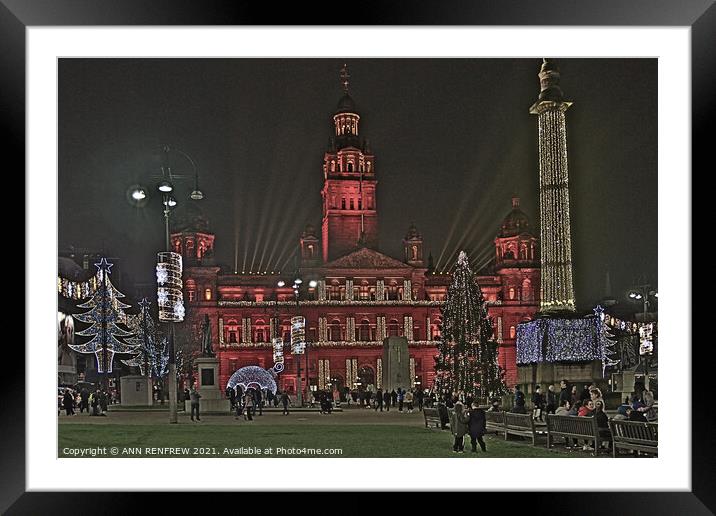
(350,166)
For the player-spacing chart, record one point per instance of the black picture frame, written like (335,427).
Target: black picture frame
(17,15)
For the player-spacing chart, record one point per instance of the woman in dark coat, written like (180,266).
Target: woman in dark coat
(476,426)
(458,426)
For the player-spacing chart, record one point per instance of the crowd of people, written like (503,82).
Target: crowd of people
(94,402)
(640,406)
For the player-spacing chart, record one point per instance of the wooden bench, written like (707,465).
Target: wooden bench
(634,435)
(522,425)
(575,427)
(495,421)
(432,416)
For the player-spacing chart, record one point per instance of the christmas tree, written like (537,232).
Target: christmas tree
(144,338)
(105,312)
(467,351)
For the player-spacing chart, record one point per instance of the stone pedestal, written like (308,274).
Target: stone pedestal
(396,364)
(136,391)
(213,398)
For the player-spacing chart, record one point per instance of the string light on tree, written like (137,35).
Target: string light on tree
(104,313)
(467,352)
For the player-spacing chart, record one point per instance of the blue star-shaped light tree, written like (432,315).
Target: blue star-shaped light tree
(105,312)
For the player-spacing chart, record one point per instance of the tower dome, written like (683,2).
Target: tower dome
(346,104)
(516,222)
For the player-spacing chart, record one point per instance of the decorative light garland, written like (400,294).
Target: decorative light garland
(77,289)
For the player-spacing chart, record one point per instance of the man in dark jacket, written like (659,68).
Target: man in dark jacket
(551,399)
(393,397)
(259,401)
(419,396)
(564,393)
(386,400)
(519,407)
(477,425)
(379,400)
(284,401)
(68,403)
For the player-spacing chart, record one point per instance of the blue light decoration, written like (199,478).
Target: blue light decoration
(105,312)
(566,340)
(253,377)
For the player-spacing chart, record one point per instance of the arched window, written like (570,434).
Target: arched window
(523,252)
(343,203)
(511,293)
(513,332)
(334,331)
(393,328)
(364,333)
(350,166)
(207,294)
(352,204)
(260,332)
(333,167)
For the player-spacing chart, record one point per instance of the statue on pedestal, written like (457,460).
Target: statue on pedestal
(206,347)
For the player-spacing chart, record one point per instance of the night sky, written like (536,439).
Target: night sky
(453,141)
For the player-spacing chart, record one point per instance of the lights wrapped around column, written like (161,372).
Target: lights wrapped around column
(169,287)
(298,335)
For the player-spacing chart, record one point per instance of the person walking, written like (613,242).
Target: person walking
(409,401)
(103,401)
(194,396)
(419,395)
(458,427)
(379,400)
(393,397)
(285,400)
(248,405)
(401,398)
(477,426)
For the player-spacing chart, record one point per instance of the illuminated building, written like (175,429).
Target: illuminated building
(361,295)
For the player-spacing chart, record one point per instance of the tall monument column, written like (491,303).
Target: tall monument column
(557,290)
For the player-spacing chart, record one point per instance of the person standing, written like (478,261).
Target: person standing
(458,427)
(285,401)
(401,397)
(551,399)
(477,425)
(84,400)
(393,397)
(419,395)
(519,407)
(564,394)
(194,396)
(379,400)
(103,401)
(259,402)
(649,411)
(537,404)
(409,401)
(386,400)
(248,405)
(68,403)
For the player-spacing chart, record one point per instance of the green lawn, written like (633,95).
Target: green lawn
(355,440)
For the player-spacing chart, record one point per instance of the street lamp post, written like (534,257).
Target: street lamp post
(138,196)
(296,292)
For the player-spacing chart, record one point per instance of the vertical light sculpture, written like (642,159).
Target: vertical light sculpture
(556,246)
(169,287)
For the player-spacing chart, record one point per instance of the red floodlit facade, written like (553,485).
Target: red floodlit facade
(360,296)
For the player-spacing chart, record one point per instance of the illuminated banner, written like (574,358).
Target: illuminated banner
(169,285)
(298,335)
(277,354)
